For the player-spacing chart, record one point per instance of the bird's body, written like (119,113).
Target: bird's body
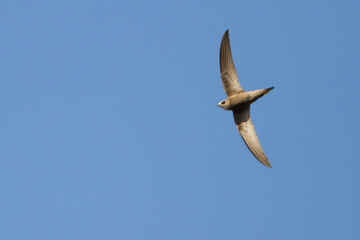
(239,101)
(244,99)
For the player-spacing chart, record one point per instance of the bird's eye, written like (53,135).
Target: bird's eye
(223,102)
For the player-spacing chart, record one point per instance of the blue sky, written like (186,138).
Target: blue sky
(110,129)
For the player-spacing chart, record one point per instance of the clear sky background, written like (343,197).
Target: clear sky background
(109,127)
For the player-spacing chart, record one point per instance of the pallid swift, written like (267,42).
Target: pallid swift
(239,101)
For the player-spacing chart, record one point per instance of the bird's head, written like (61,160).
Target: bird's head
(224,104)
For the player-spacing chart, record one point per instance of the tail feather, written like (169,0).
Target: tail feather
(255,95)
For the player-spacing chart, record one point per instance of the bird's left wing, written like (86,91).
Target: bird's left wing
(246,129)
(229,77)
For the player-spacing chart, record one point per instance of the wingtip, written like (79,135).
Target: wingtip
(266,163)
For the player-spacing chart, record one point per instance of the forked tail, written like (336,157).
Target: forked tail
(255,95)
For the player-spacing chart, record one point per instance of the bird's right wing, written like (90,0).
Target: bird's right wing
(246,129)
(229,77)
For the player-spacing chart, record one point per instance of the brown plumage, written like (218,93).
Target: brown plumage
(239,101)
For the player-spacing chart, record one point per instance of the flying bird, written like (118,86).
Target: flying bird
(239,101)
